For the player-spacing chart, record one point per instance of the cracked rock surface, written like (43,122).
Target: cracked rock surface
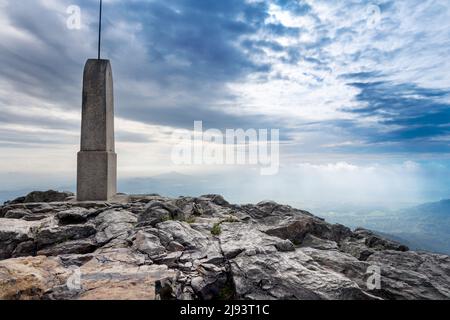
(153,247)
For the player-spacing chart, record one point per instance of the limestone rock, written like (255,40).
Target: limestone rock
(54,234)
(119,275)
(69,247)
(377,243)
(17,213)
(29,278)
(43,196)
(210,282)
(152,216)
(239,237)
(285,246)
(291,275)
(412,275)
(363,243)
(113,223)
(184,234)
(298,228)
(148,244)
(13,232)
(144,248)
(175,246)
(73,216)
(217,199)
(311,241)
(357,248)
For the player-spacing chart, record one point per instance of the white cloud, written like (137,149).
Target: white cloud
(410,44)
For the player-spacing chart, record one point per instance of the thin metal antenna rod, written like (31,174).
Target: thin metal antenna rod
(100,30)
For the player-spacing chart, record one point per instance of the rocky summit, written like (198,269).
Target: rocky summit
(153,247)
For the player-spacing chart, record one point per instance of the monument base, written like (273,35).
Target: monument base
(97,175)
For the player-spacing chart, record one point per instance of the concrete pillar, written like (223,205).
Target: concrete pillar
(97,160)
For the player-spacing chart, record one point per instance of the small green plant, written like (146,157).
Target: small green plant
(216,229)
(227,292)
(166,218)
(197,210)
(191,220)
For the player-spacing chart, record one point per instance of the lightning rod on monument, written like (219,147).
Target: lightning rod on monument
(100,29)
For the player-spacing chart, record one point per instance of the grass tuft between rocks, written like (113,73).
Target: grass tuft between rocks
(216,229)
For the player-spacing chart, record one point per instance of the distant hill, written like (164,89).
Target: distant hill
(423,227)
(432,210)
(427,226)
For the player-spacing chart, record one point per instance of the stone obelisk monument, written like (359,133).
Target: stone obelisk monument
(97,160)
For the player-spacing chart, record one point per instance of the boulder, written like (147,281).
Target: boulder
(13,232)
(290,275)
(152,216)
(210,282)
(285,246)
(317,243)
(149,244)
(413,275)
(30,278)
(357,248)
(237,238)
(17,213)
(297,229)
(43,196)
(70,247)
(112,224)
(119,274)
(217,199)
(377,243)
(75,215)
(184,234)
(54,234)
(363,243)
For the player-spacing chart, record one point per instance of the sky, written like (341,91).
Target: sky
(360,91)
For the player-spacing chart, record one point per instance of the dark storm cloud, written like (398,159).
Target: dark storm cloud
(184,116)
(20,138)
(204,34)
(44,121)
(419,112)
(172,62)
(43,65)
(193,49)
(207,37)
(410,118)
